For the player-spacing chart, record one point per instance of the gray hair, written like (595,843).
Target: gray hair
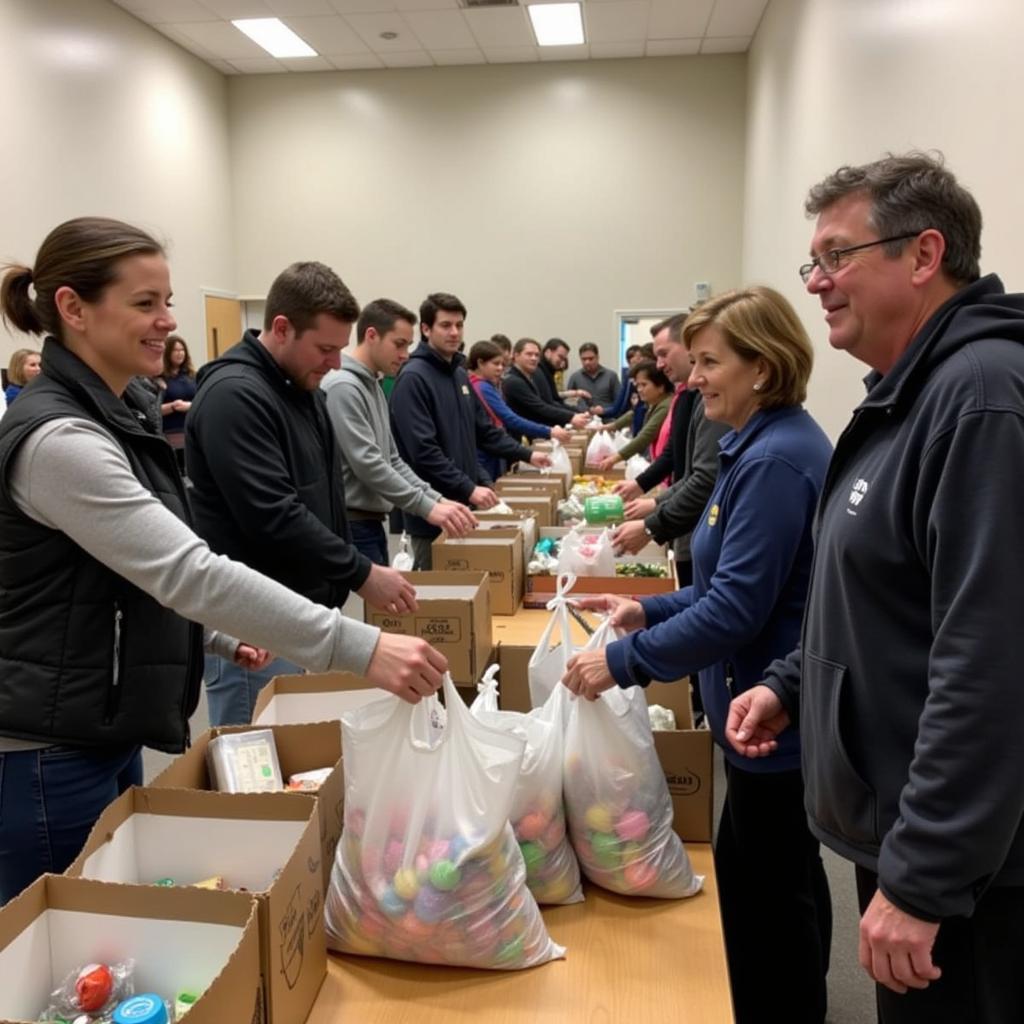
(909,194)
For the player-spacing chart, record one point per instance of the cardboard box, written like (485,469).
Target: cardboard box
(511,521)
(541,506)
(553,483)
(312,697)
(181,940)
(300,748)
(686,759)
(539,589)
(266,843)
(454,615)
(499,553)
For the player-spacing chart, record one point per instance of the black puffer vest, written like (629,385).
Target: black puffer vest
(86,658)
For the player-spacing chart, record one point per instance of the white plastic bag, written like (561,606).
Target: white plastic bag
(560,460)
(427,867)
(538,815)
(555,647)
(595,422)
(635,465)
(403,560)
(621,438)
(599,449)
(616,797)
(587,551)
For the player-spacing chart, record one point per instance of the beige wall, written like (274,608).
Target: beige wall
(545,196)
(104,116)
(833,82)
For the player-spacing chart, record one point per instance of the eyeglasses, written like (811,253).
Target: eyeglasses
(834,259)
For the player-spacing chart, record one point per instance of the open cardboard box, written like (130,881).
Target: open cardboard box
(499,553)
(550,483)
(454,615)
(300,748)
(539,589)
(265,843)
(541,505)
(181,940)
(312,697)
(526,525)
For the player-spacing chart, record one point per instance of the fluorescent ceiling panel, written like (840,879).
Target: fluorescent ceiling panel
(275,37)
(557,24)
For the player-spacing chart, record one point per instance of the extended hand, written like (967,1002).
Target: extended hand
(540,459)
(560,434)
(252,658)
(630,537)
(627,490)
(756,717)
(456,520)
(580,420)
(608,462)
(483,497)
(640,508)
(587,674)
(896,948)
(387,590)
(625,613)
(406,666)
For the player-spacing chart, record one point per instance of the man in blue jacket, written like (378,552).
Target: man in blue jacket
(439,422)
(907,683)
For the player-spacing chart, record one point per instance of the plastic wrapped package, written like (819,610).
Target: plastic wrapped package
(245,762)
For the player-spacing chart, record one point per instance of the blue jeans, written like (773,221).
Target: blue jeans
(231,690)
(49,800)
(368,537)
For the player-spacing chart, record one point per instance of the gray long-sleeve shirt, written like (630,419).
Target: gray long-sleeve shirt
(72,475)
(376,477)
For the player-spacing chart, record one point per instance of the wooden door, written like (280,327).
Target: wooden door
(223,324)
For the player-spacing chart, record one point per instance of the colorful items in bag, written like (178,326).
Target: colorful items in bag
(616,798)
(601,509)
(428,868)
(538,816)
(450,901)
(147,1008)
(91,993)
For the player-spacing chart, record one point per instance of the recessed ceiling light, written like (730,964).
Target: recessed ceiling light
(275,37)
(557,24)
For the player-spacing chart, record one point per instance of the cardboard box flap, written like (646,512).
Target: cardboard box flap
(296,699)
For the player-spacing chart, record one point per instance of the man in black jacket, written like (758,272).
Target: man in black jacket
(439,422)
(907,682)
(267,478)
(520,388)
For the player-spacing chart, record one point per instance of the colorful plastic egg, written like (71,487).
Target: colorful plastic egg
(598,818)
(406,883)
(444,875)
(633,826)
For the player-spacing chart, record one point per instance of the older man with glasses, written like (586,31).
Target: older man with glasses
(907,684)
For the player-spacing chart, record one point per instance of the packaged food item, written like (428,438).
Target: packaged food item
(602,509)
(91,993)
(245,762)
(309,782)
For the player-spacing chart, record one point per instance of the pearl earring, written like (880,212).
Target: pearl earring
(757,386)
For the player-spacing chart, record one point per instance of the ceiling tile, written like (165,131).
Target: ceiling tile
(617,22)
(370,26)
(634,48)
(411,59)
(225,67)
(223,40)
(500,26)
(260,66)
(363,6)
(441,30)
(672,47)
(736,17)
(169,12)
(230,9)
(671,19)
(331,34)
(299,8)
(425,5)
(355,61)
(727,44)
(174,32)
(307,63)
(564,52)
(465,56)
(510,54)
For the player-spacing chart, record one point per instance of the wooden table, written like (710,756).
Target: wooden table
(628,961)
(526,626)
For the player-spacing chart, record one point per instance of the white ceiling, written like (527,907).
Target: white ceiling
(347,33)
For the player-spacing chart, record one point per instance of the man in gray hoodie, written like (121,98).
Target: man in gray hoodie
(375,476)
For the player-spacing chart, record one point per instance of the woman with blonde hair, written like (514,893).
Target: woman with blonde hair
(25,364)
(750,358)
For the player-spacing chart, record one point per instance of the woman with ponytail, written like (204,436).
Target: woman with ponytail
(102,581)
